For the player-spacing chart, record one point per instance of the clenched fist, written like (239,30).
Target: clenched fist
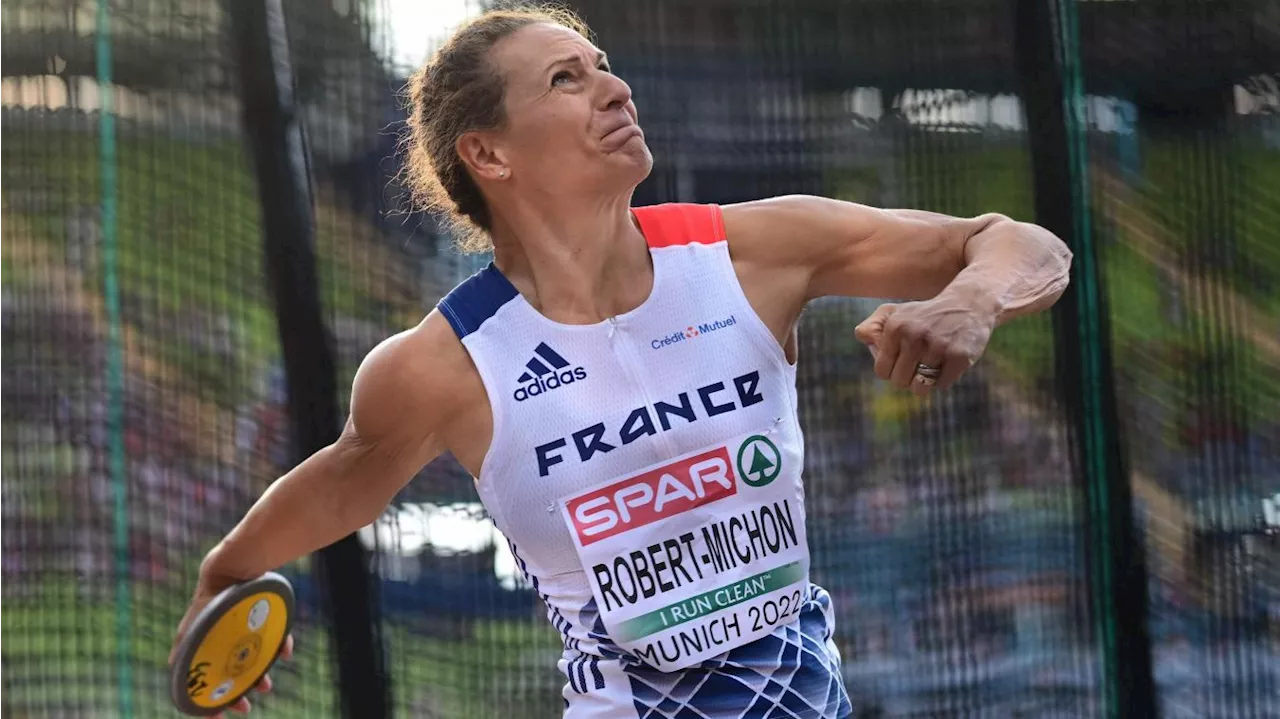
(942,333)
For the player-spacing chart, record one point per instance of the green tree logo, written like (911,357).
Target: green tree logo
(759,461)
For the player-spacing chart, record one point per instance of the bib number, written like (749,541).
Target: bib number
(697,556)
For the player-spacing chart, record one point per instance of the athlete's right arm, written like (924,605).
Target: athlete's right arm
(396,407)
(400,398)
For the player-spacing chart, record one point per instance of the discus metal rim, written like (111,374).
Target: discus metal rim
(189,647)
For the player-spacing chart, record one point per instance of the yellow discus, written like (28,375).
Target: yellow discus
(231,645)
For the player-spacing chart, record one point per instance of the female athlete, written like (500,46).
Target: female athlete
(621,381)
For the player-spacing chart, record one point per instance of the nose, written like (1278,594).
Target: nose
(614,93)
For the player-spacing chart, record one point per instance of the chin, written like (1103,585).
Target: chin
(638,160)
(613,173)
(644,163)
(622,170)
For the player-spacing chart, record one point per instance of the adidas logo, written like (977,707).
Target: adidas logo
(546,371)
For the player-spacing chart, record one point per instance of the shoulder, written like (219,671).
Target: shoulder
(679,223)
(745,218)
(421,375)
(476,300)
(770,242)
(740,223)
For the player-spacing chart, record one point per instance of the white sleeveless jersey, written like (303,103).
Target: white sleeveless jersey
(646,471)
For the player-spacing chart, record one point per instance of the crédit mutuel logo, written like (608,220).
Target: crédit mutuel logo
(545,372)
(692,332)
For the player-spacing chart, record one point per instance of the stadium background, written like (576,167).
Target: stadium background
(144,390)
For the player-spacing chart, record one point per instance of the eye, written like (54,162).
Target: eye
(604,66)
(563,75)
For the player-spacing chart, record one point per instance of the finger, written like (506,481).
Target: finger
(870,331)
(177,640)
(287,652)
(242,707)
(956,364)
(904,369)
(886,355)
(888,348)
(265,684)
(912,347)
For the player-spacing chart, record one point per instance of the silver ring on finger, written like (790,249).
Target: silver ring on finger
(924,370)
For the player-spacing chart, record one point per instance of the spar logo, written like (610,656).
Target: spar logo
(653,496)
(759,461)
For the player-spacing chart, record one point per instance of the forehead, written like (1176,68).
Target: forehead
(528,51)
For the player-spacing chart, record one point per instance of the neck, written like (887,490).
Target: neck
(575,265)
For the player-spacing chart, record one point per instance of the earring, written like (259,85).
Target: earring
(502,174)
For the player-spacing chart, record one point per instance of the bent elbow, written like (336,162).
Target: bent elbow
(1062,254)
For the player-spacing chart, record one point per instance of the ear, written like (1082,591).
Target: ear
(480,154)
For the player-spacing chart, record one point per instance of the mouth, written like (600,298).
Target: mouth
(618,137)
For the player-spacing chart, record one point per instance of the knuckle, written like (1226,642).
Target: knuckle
(916,333)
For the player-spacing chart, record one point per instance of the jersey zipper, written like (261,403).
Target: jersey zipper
(622,350)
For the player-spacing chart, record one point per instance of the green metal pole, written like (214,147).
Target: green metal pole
(1047,42)
(115,361)
(1093,438)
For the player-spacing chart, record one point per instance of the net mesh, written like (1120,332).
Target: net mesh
(1184,194)
(133,261)
(143,387)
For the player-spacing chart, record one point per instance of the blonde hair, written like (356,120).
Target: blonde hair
(457,91)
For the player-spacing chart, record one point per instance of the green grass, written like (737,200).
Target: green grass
(190,245)
(61,654)
(1025,344)
(964,176)
(188,217)
(1173,191)
(1134,298)
(495,673)
(1170,353)
(60,649)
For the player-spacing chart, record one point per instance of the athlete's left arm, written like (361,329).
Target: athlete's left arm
(958,278)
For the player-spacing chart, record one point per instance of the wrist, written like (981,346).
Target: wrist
(981,298)
(217,570)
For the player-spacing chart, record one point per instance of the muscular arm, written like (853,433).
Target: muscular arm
(960,278)
(797,248)
(399,400)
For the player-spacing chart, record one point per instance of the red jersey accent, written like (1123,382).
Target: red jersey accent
(675,224)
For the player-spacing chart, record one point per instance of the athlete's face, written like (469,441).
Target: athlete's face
(571,125)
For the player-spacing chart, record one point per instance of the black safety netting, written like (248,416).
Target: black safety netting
(144,388)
